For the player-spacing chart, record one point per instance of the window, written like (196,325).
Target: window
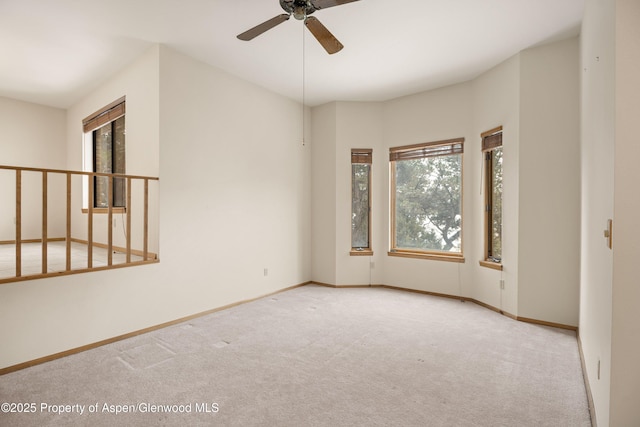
(361,201)
(492,152)
(105,153)
(426,200)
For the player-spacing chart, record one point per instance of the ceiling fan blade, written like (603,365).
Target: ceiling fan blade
(261,28)
(320,32)
(323,4)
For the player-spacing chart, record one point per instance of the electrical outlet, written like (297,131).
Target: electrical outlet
(266,271)
(501,283)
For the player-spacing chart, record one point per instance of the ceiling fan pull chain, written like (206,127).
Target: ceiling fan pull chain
(303,87)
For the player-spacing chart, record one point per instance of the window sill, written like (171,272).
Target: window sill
(105,210)
(431,256)
(491,264)
(362,252)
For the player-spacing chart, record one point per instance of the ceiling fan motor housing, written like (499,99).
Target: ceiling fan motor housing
(300,9)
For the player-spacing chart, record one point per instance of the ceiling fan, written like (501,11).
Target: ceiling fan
(301,9)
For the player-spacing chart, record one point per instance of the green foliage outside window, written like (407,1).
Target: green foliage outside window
(360,205)
(109,157)
(496,205)
(428,204)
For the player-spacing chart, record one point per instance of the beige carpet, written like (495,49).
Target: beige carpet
(316,356)
(56,258)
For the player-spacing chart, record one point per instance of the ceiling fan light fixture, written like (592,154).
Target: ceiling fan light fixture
(300,12)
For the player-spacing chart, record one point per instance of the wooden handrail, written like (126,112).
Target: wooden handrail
(64,171)
(46,233)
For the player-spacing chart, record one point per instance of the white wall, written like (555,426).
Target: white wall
(32,136)
(323,188)
(235,186)
(226,212)
(625,336)
(597,161)
(496,97)
(549,168)
(609,317)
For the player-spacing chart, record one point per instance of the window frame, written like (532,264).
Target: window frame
(361,156)
(106,115)
(491,140)
(418,151)
(118,196)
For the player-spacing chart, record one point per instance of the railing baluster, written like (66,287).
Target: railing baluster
(18,223)
(145,250)
(90,221)
(68,231)
(128,220)
(44,222)
(110,222)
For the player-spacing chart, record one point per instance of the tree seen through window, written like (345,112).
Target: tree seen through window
(427,198)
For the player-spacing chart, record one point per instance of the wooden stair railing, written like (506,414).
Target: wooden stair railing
(147,257)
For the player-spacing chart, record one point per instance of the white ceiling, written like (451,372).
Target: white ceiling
(55,52)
